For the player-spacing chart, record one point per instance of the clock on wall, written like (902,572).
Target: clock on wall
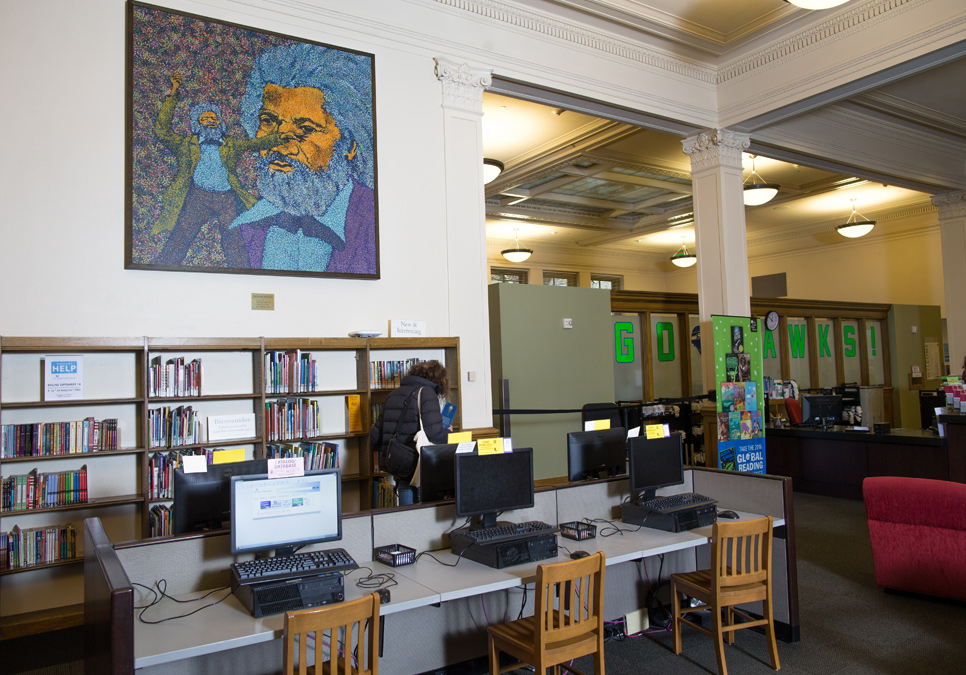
(771,320)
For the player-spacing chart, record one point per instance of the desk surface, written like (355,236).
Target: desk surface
(228,625)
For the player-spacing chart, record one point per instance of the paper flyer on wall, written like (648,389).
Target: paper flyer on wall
(740,394)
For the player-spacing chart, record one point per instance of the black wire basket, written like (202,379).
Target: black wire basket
(395,555)
(578,530)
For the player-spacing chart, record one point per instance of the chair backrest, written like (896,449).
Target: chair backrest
(741,552)
(346,635)
(601,411)
(569,600)
(794,410)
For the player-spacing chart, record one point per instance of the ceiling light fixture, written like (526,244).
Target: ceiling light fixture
(757,191)
(816,4)
(518,254)
(683,258)
(856,226)
(491,169)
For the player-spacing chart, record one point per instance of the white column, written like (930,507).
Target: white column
(952,229)
(466,234)
(719,225)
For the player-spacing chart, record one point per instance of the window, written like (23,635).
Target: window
(501,275)
(559,278)
(607,281)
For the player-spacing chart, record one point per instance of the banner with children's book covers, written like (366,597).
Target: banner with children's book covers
(738,377)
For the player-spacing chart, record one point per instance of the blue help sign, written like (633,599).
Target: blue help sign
(63,377)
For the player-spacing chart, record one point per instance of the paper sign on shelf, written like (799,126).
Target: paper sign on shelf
(658,430)
(406,328)
(286,467)
(595,425)
(634,433)
(194,464)
(63,377)
(226,456)
(490,446)
(229,427)
(465,447)
(459,437)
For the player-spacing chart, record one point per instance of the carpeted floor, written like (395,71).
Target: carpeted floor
(848,624)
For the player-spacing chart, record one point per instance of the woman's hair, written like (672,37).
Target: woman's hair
(434,372)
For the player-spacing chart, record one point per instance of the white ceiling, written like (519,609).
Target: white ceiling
(598,185)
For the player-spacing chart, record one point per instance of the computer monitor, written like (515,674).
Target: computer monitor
(436,472)
(816,408)
(655,463)
(596,454)
(202,501)
(489,484)
(285,513)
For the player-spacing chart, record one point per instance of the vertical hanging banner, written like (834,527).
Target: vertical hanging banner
(738,378)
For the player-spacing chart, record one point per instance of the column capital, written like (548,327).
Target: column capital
(715,147)
(950,204)
(463,85)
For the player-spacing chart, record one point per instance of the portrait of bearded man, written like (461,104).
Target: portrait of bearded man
(317,207)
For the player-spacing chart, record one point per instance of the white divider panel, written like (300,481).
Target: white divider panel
(753,493)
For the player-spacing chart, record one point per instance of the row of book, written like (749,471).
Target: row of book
(58,438)
(174,377)
(37,546)
(383,493)
(739,396)
(161,466)
(389,374)
(739,426)
(317,454)
(170,427)
(291,372)
(160,521)
(44,490)
(375,410)
(291,418)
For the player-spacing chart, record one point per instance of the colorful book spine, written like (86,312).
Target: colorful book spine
(44,490)
(37,546)
(46,439)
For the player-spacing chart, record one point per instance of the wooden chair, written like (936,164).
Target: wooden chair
(346,638)
(568,620)
(741,573)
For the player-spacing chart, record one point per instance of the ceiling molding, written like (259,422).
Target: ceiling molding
(913,113)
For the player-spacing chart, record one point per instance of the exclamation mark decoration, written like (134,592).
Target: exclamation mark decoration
(872,335)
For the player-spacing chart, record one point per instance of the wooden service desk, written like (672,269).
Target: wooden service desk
(834,463)
(439,609)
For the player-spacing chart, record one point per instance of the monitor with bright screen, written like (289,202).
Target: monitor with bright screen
(816,408)
(596,454)
(489,484)
(436,472)
(655,463)
(284,513)
(202,501)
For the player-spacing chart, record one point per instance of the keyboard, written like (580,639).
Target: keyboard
(509,532)
(293,566)
(679,501)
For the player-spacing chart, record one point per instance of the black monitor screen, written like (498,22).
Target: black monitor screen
(596,454)
(284,513)
(202,501)
(436,472)
(655,463)
(816,408)
(488,484)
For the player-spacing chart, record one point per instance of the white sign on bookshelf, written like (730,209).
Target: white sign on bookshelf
(230,427)
(407,328)
(63,377)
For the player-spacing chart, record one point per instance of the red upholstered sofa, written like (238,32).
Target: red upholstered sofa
(917,528)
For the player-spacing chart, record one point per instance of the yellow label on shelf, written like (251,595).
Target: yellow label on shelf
(230,455)
(460,437)
(354,408)
(600,424)
(490,446)
(657,430)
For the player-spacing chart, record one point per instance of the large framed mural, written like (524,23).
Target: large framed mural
(248,152)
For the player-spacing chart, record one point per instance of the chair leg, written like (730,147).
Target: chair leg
(676,625)
(494,657)
(770,633)
(730,621)
(718,641)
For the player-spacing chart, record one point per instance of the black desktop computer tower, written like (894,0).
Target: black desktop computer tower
(505,553)
(263,598)
(679,520)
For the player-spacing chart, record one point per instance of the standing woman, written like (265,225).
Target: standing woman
(427,383)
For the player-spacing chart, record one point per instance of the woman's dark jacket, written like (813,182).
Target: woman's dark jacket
(397,416)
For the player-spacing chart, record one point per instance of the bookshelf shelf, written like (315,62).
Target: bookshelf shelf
(76,403)
(206,397)
(42,566)
(99,502)
(100,454)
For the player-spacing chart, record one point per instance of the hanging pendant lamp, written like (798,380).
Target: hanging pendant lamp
(757,191)
(856,226)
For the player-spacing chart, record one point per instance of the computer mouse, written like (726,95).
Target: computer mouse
(576,555)
(728,514)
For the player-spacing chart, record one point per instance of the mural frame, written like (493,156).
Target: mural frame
(247,151)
